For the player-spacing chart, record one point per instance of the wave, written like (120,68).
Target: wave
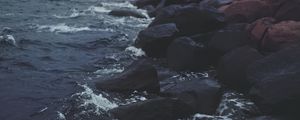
(119,4)
(8,39)
(98,9)
(135,52)
(108,71)
(61,116)
(63,28)
(101,103)
(75,13)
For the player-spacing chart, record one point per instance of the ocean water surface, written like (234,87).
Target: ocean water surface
(52,51)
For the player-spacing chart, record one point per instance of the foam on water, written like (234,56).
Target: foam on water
(135,97)
(105,71)
(8,39)
(199,116)
(136,52)
(98,9)
(63,28)
(61,116)
(75,13)
(98,100)
(126,4)
(235,105)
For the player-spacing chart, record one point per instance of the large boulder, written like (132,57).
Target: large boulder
(156,39)
(140,76)
(143,3)
(281,35)
(167,11)
(276,80)
(288,10)
(247,10)
(185,54)
(203,95)
(227,39)
(154,109)
(258,29)
(126,12)
(193,19)
(233,65)
(270,36)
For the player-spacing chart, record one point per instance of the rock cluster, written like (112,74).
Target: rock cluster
(254,45)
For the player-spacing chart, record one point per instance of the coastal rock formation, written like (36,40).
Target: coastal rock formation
(154,109)
(155,40)
(276,80)
(185,54)
(281,35)
(203,95)
(140,76)
(200,19)
(247,10)
(233,65)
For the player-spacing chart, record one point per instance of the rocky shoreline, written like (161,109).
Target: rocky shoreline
(254,46)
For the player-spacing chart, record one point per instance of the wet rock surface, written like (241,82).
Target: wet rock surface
(140,75)
(252,44)
(155,40)
(202,95)
(155,109)
(276,80)
(233,66)
(185,54)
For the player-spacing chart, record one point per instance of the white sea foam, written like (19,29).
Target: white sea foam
(135,51)
(98,9)
(8,39)
(199,116)
(63,28)
(61,116)
(109,71)
(119,4)
(98,100)
(75,13)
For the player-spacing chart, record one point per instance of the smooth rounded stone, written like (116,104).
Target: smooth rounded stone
(276,80)
(203,95)
(140,76)
(233,66)
(193,19)
(258,30)
(281,35)
(236,106)
(288,10)
(127,12)
(167,11)
(153,109)
(156,39)
(185,54)
(143,3)
(247,10)
(227,39)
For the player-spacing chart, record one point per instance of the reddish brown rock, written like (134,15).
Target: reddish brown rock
(247,10)
(258,29)
(281,35)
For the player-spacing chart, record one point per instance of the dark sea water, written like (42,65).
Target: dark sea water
(52,51)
